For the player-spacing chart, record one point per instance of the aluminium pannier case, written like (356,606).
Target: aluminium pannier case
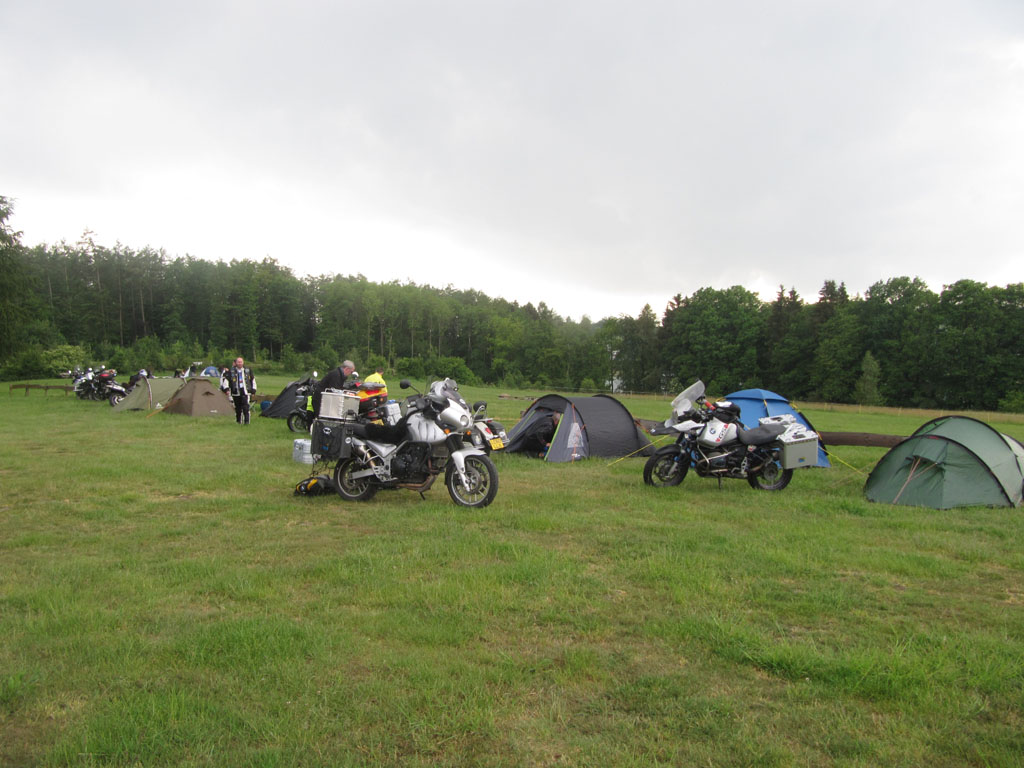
(338,404)
(799,447)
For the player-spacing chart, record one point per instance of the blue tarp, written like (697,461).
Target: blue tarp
(757,403)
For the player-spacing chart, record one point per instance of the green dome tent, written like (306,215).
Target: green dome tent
(951,461)
(150,394)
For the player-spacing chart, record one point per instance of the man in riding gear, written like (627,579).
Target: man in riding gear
(333,380)
(239,381)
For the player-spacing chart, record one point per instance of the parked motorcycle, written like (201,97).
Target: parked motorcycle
(433,436)
(711,440)
(371,399)
(105,383)
(301,418)
(83,384)
(96,385)
(117,393)
(488,434)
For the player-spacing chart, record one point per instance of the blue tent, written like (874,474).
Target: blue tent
(757,403)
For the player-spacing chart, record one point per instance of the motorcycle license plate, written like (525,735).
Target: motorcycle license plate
(496,444)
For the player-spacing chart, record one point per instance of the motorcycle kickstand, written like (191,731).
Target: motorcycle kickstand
(719,482)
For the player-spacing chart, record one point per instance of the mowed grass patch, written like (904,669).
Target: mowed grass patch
(166,600)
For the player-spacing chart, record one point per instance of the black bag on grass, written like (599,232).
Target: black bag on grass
(314,486)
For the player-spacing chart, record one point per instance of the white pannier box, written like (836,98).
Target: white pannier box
(336,404)
(392,412)
(782,418)
(301,452)
(799,447)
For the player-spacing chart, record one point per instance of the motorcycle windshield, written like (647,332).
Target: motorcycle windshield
(449,389)
(684,400)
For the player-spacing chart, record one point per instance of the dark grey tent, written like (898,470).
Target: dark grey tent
(950,461)
(587,426)
(285,402)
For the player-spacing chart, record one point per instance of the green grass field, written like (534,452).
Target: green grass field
(165,600)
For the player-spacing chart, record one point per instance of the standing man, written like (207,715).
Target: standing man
(333,380)
(240,382)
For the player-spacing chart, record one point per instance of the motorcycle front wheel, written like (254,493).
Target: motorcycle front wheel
(297,422)
(665,470)
(772,477)
(349,488)
(482,479)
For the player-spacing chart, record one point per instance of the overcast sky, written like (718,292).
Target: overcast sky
(594,155)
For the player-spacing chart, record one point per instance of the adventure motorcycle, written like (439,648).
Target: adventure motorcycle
(488,434)
(711,440)
(433,436)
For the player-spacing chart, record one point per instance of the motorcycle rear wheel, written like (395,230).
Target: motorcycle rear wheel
(349,488)
(116,398)
(297,422)
(483,482)
(771,478)
(665,470)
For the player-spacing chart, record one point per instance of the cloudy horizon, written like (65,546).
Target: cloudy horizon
(593,156)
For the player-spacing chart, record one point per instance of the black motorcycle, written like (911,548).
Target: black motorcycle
(301,418)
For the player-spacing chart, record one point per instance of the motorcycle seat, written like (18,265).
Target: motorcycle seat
(762,434)
(381,433)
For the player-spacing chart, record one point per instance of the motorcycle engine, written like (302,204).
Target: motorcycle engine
(729,462)
(411,462)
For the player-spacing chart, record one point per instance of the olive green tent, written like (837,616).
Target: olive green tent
(150,394)
(951,461)
(198,397)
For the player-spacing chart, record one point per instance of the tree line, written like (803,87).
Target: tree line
(899,344)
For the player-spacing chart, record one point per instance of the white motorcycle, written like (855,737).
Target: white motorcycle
(488,434)
(711,440)
(434,435)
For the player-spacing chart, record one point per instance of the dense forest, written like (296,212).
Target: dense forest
(899,344)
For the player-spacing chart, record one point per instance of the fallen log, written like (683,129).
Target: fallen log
(828,438)
(860,438)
